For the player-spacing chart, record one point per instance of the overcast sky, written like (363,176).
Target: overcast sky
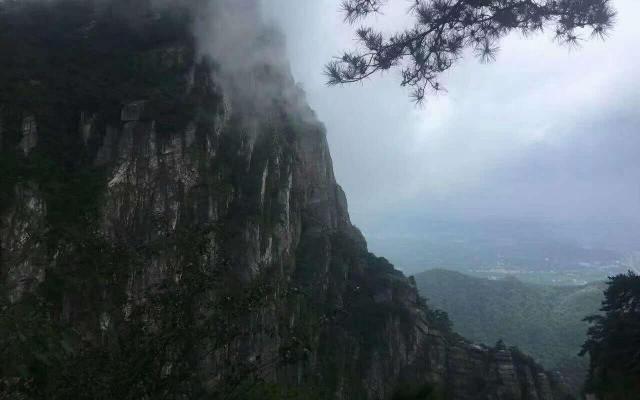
(544,132)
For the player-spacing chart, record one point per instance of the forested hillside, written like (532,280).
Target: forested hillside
(543,321)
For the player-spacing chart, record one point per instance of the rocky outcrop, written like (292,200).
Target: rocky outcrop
(29,134)
(255,176)
(22,239)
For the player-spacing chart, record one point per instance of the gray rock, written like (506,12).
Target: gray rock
(29,134)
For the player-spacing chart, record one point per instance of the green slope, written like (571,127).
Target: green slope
(543,321)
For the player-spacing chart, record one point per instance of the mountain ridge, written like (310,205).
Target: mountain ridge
(156,224)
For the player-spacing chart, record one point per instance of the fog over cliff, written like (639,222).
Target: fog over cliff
(544,133)
(171,225)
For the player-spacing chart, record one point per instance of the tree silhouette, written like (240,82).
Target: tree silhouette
(613,341)
(444,28)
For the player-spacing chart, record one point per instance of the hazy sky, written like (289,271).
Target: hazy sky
(544,132)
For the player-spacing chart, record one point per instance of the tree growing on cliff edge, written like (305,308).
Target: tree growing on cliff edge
(613,341)
(444,28)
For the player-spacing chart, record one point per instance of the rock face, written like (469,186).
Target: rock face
(254,176)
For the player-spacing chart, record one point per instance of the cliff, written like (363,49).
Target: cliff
(171,228)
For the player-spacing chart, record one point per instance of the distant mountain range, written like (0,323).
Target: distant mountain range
(537,252)
(543,321)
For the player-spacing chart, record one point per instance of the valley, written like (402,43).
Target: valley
(544,321)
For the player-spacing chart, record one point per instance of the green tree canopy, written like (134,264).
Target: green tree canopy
(613,341)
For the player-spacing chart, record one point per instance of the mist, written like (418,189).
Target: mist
(545,133)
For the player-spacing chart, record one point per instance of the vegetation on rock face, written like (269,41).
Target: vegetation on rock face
(80,333)
(93,328)
(152,350)
(62,60)
(613,342)
(544,321)
(84,332)
(367,297)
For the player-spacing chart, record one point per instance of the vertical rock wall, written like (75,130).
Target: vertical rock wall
(253,162)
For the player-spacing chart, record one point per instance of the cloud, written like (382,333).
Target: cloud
(543,132)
